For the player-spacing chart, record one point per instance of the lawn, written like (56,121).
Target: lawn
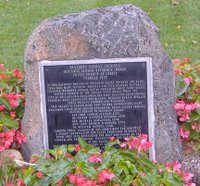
(179,24)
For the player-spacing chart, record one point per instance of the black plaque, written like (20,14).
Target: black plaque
(95,99)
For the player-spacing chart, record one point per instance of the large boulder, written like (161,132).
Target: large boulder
(111,32)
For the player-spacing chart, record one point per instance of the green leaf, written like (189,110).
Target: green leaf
(106,161)
(109,145)
(80,156)
(127,181)
(139,183)
(87,170)
(156,181)
(94,151)
(118,168)
(27,175)
(52,152)
(147,163)
(55,169)
(132,168)
(59,169)
(129,155)
(4,85)
(5,102)
(84,144)
(181,87)
(8,122)
(171,179)
(70,148)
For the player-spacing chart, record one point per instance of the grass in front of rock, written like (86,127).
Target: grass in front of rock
(179,24)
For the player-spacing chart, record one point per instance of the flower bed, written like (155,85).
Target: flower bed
(122,163)
(188,100)
(11,108)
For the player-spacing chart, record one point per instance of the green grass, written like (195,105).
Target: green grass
(179,25)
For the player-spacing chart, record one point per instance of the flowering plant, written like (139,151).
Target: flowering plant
(188,99)
(11,107)
(121,164)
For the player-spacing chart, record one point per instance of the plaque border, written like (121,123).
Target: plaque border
(150,101)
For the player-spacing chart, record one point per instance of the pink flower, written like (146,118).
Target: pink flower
(39,175)
(194,125)
(184,133)
(176,61)
(19,137)
(112,138)
(187,59)
(80,180)
(178,71)
(191,107)
(188,80)
(105,176)
(180,105)
(187,177)
(116,185)
(134,143)
(154,161)
(145,146)
(10,184)
(143,136)
(197,90)
(95,159)
(2,66)
(122,145)
(3,76)
(2,148)
(126,139)
(77,147)
(190,184)
(177,166)
(6,139)
(68,155)
(72,178)
(20,182)
(2,107)
(13,99)
(13,114)
(183,116)
(60,182)
(17,73)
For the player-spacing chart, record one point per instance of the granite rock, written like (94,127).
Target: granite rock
(110,32)
(191,164)
(9,155)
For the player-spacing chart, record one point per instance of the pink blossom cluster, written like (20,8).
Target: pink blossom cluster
(80,180)
(140,143)
(16,72)
(103,177)
(20,182)
(13,99)
(176,167)
(95,159)
(184,109)
(8,137)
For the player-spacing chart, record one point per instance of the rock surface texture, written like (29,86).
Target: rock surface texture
(9,155)
(111,32)
(191,163)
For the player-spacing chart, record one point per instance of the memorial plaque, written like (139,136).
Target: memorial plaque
(96,99)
